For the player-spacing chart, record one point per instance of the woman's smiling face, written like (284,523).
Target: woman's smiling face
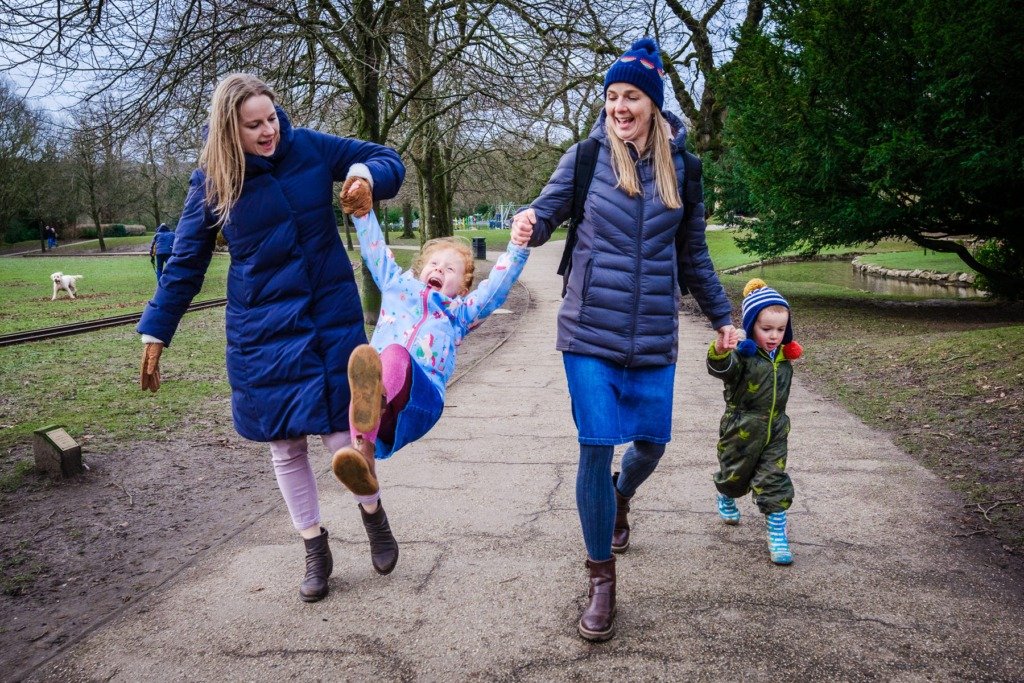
(630,111)
(259,126)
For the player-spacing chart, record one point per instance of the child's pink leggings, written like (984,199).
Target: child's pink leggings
(296,480)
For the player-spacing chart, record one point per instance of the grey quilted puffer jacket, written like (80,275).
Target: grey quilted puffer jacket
(622,300)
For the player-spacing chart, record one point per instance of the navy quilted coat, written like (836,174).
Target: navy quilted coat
(622,299)
(293,313)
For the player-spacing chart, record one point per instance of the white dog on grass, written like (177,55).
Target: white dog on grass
(65,282)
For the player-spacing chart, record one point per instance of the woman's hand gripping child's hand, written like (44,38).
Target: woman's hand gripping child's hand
(522,227)
(728,339)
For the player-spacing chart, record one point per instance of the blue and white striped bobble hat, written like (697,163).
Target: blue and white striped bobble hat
(756,297)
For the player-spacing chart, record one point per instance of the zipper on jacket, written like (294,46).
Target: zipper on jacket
(775,390)
(416,328)
(636,272)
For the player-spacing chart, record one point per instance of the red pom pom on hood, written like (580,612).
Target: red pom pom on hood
(792,350)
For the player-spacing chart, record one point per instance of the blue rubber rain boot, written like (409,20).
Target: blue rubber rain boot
(727,510)
(778,544)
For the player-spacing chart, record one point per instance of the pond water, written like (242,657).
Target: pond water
(843,274)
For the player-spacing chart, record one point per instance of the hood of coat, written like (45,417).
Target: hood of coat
(255,164)
(678,129)
(163,228)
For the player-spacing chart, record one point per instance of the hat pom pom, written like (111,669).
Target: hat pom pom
(646,44)
(747,347)
(754,285)
(792,350)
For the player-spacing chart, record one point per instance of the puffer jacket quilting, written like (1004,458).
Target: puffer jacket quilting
(293,313)
(622,297)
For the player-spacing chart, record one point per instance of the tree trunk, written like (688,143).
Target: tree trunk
(407,232)
(368,123)
(348,230)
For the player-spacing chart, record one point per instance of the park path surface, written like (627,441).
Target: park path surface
(491,580)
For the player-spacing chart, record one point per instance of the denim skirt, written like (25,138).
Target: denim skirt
(420,414)
(613,404)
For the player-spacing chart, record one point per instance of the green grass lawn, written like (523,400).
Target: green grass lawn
(112,285)
(924,259)
(727,254)
(96,377)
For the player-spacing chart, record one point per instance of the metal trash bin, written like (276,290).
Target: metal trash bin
(479,248)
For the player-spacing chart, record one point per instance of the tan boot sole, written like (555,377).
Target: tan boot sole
(351,470)
(364,381)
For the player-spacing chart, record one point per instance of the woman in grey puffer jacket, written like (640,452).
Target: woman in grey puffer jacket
(618,324)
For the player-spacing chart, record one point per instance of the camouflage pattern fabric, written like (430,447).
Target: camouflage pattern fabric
(752,443)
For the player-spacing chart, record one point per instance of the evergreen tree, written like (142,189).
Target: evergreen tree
(859,120)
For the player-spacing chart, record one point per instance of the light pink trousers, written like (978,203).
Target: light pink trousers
(296,480)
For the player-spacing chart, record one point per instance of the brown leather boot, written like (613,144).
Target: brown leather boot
(366,387)
(598,621)
(356,468)
(383,546)
(620,534)
(319,565)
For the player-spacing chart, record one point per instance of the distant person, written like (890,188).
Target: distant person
(160,248)
(752,446)
(293,314)
(51,237)
(639,247)
(399,379)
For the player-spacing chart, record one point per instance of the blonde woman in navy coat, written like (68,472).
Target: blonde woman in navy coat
(640,246)
(293,313)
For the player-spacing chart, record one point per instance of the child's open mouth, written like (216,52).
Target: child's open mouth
(434,282)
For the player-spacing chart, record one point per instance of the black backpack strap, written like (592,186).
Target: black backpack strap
(583,173)
(692,194)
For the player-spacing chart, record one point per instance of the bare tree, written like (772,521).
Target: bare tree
(19,129)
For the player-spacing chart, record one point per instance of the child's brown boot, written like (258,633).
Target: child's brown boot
(367,388)
(355,467)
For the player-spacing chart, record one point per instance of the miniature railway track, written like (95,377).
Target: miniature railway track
(89,325)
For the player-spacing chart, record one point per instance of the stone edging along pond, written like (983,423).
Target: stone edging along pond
(955,279)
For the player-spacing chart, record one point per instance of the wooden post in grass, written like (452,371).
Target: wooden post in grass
(57,453)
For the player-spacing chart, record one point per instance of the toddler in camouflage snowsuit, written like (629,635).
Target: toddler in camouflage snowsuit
(752,445)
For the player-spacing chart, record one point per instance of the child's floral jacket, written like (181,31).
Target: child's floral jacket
(426,322)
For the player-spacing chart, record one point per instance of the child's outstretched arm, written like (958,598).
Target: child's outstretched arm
(375,252)
(722,360)
(492,292)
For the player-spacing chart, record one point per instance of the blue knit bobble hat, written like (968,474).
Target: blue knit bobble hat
(640,66)
(758,296)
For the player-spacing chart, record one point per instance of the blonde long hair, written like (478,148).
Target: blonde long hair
(660,147)
(222,158)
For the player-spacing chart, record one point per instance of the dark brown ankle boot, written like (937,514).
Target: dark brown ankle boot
(620,535)
(598,620)
(319,565)
(383,546)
